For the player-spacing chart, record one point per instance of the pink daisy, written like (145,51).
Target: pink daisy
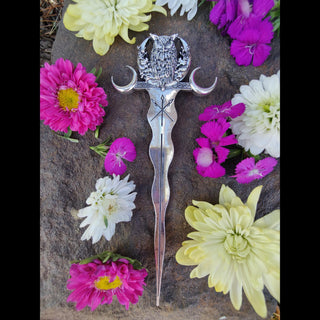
(96,283)
(247,170)
(223,111)
(70,98)
(121,148)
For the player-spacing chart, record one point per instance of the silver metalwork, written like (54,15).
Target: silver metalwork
(162,70)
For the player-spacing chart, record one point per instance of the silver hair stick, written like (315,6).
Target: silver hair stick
(162,70)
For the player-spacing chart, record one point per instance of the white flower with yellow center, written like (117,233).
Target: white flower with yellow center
(102,20)
(112,202)
(233,249)
(258,128)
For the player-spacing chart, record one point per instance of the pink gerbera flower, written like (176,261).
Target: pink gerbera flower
(223,111)
(96,283)
(247,170)
(70,98)
(121,148)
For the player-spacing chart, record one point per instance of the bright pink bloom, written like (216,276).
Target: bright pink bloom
(121,148)
(249,12)
(247,170)
(70,97)
(223,111)
(223,13)
(212,152)
(214,131)
(208,162)
(96,283)
(251,44)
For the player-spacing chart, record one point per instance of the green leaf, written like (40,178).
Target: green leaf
(98,74)
(67,136)
(256,157)
(107,255)
(93,70)
(96,132)
(102,148)
(105,220)
(234,152)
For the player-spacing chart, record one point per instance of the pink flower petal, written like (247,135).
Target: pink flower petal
(247,170)
(61,76)
(114,164)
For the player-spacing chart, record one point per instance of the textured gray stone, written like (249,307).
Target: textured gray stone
(68,172)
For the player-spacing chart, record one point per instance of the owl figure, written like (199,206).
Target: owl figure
(163,59)
(164,67)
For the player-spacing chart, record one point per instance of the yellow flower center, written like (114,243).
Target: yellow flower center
(68,99)
(236,245)
(103,283)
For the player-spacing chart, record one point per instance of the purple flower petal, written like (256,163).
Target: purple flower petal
(261,53)
(121,148)
(241,54)
(114,164)
(262,7)
(124,148)
(247,170)
(225,110)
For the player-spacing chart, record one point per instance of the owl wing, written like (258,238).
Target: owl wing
(184,61)
(144,61)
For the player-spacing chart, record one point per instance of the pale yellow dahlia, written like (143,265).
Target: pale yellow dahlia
(233,249)
(102,20)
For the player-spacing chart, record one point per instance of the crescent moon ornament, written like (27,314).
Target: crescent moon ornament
(129,87)
(197,89)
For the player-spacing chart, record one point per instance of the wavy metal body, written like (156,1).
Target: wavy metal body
(162,71)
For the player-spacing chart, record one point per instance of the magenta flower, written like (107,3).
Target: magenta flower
(249,12)
(96,283)
(224,13)
(121,148)
(251,44)
(208,162)
(70,98)
(212,152)
(223,111)
(247,170)
(214,131)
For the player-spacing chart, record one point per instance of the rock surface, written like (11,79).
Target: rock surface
(68,172)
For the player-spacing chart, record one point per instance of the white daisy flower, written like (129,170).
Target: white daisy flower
(112,202)
(258,128)
(189,6)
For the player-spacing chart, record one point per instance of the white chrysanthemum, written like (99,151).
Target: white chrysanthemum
(234,250)
(189,6)
(112,202)
(102,20)
(258,128)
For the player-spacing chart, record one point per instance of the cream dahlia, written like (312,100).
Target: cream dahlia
(258,128)
(233,249)
(112,202)
(102,20)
